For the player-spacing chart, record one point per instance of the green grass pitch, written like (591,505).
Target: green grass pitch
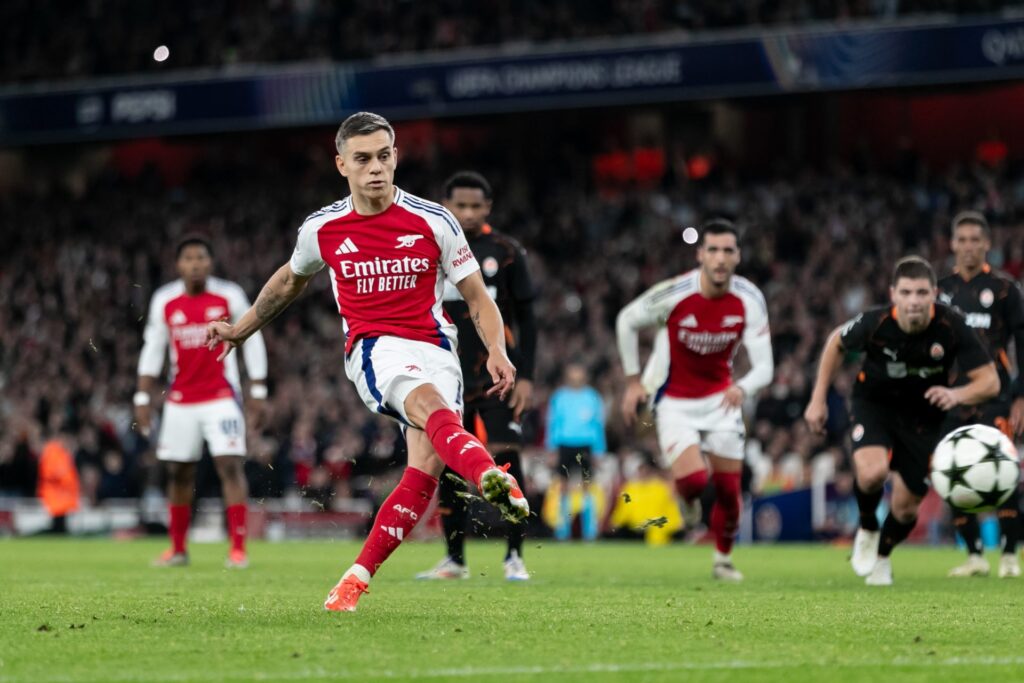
(73,611)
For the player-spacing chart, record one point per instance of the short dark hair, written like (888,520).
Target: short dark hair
(913,268)
(718,226)
(361,123)
(971,218)
(193,240)
(467,179)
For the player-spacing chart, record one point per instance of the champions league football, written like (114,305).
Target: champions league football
(975,468)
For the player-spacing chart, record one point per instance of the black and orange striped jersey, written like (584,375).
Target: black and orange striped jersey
(991,303)
(503,266)
(899,368)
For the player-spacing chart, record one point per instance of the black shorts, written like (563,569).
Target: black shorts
(994,413)
(910,439)
(490,420)
(574,459)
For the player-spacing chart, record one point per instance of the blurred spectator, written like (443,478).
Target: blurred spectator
(58,481)
(76,39)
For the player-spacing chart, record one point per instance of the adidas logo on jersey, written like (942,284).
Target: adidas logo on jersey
(347,247)
(179,318)
(689,321)
(395,531)
(407,240)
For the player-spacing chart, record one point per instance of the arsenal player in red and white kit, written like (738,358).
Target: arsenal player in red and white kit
(707,312)
(389,254)
(203,402)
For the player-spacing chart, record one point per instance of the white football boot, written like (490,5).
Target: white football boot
(445,569)
(865,551)
(515,569)
(881,573)
(1009,566)
(976,565)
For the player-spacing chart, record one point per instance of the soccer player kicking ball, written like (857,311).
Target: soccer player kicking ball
(899,403)
(992,305)
(390,254)
(707,312)
(203,400)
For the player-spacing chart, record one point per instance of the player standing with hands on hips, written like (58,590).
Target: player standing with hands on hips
(899,403)
(389,254)
(708,312)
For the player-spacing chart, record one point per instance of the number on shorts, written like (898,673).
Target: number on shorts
(231,426)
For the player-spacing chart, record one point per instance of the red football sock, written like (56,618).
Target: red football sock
(725,513)
(178,527)
(459,449)
(692,485)
(236,525)
(397,516)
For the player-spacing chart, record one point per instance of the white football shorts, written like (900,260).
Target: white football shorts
(385,371)
(684,422)
(185,426)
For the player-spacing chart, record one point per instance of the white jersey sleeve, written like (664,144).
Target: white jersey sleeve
(457,260)
(306,259)
(254,350)
(656,370)
(155,338)
(647,310)
(757,339)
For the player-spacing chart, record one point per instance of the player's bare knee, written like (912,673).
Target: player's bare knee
(180,473)
(905,513)
(423,402)
(230,467)
(871,476)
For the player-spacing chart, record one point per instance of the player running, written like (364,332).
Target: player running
(992,305)
(390,254)
(203,402)
(899,403)
(493,420)
(707,312)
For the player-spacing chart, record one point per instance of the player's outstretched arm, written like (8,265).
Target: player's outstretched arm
(281,289)
(831,359)
(487,318)
(982,385)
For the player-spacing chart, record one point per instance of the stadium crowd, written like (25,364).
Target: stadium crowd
(60,40)
(94,241)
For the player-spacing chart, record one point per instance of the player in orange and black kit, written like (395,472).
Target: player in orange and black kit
(496,422)
(993,306)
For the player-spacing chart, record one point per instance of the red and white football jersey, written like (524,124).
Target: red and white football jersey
(178,320)
(388,270)
(703,335)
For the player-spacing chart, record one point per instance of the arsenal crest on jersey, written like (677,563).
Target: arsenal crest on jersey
(937,352)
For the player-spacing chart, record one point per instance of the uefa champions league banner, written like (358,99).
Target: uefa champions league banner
(660,69)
